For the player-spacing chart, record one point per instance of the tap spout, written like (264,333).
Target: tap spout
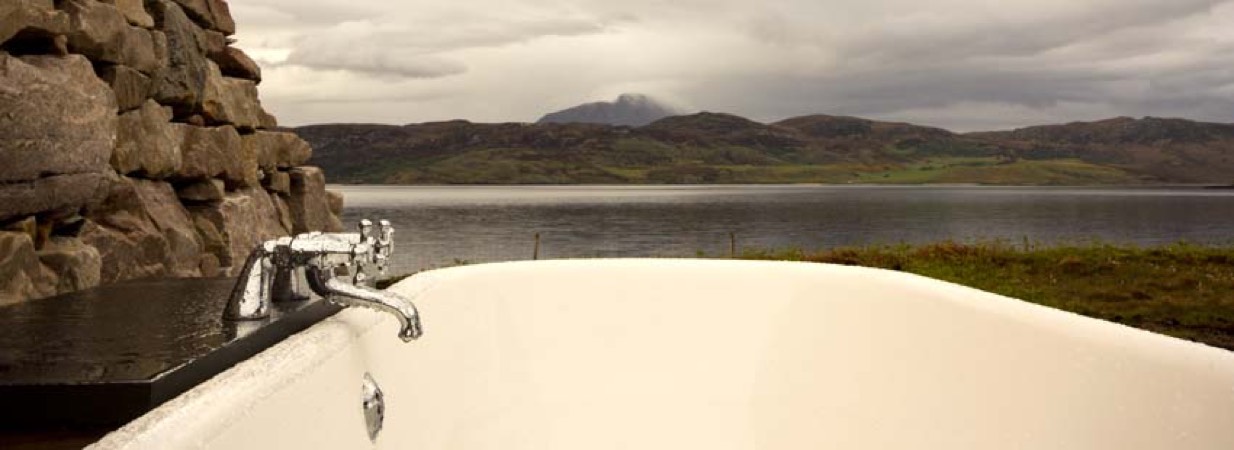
(350,295)
(280,269)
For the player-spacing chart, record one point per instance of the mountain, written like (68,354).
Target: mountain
(1172,150)
(632,110)
(723,148)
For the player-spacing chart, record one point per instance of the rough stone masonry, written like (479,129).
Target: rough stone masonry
(133,145)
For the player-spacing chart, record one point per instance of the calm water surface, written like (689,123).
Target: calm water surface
(438,226)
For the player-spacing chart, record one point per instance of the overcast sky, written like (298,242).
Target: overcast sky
(960,64)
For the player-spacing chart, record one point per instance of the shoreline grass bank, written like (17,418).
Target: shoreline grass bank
(1180,290)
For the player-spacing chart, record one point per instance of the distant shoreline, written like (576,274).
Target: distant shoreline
(829,185)
(716,148)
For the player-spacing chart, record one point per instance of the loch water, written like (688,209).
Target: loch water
(444,225)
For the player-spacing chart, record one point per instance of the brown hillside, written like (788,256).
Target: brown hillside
(717,147)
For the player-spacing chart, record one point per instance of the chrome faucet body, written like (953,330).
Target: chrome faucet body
(292,268)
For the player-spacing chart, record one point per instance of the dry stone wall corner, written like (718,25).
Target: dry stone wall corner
(310,205)
(133,144)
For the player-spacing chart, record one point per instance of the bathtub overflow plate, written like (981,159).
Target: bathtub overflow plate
(374,407)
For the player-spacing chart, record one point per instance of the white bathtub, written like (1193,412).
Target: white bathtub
(667,354)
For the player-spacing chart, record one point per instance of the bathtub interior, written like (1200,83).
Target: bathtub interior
(711,354)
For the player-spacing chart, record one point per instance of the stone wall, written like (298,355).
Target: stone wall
(133,145)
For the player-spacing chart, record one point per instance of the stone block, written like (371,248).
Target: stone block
(217,152)
(56,117)
(335,200)
(28,225)
(205,191)
(141,230)
(284,211)
(127,254)
(216,43)
(236,64)
(30,18)
(76,266)
(310,209)
(232,228)
(101,32)
(278,150)
(182,83)
(210,14)
(210,266)
(22,276)
(231,101)
(55,195)
(134,11)
(278,182)
(131,87)
(148,144)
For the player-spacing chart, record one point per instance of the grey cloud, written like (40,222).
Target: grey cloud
(886,74)
(498,34)
(372,61)
(360,99)
(417,50)
(388,36)
(308,13)
(982,37)
(897,37)
(1190,91)
(976,63)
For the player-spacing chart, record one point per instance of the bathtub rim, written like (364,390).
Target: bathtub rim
(209,409)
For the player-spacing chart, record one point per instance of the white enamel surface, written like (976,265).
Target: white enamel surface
(665,354)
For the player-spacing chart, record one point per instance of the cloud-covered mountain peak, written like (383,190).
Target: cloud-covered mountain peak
(629,110)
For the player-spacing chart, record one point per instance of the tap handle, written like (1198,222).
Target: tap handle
(362,252)
(387,233)
(385,246)
(366,230)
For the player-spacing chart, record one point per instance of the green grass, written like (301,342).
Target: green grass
(993,171)
(1185,291)
(631,174)
(638,162)
(1042,172)
(978,170)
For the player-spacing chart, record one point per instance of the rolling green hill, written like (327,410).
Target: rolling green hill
(723,148)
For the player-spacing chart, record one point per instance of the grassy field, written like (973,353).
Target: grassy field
(976,170)
(715,166)
(1180,290)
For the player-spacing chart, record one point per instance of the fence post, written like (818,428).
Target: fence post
(535,255)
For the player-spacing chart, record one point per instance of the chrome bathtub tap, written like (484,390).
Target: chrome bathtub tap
(290,268)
